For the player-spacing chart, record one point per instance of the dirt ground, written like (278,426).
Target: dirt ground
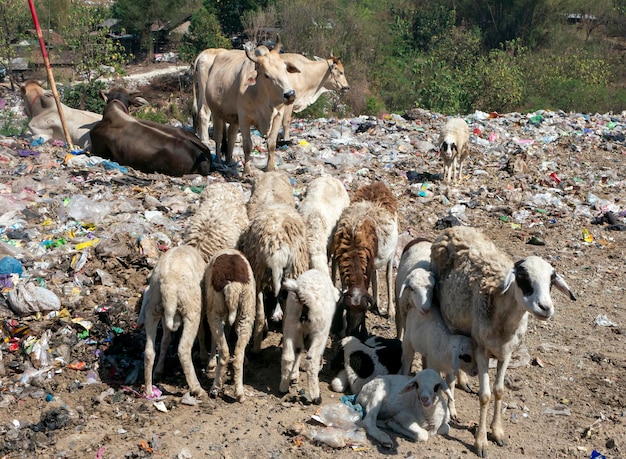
(568,401)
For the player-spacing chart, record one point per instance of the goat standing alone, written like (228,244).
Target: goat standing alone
(454,148)
(484,294)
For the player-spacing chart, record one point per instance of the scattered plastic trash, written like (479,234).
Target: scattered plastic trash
(27,299)
(10,265)
(603,321)
(596,455)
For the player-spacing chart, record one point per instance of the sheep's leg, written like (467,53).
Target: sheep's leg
(391,307)
(217,330)
(484,396)
(207,360)
(259,323)
(462,381)
(407,354)
(369,421)
(404,423)
(451,380)
(244,332)
(497,431)
(190,331)
(455,169)
(381,311)
(151,325)
(314,360)
(340,382)
(166,339)
(295,369)
(287,363)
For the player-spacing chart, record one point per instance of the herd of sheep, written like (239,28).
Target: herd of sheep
(459,300)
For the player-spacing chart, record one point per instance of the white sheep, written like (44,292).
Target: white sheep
(272,187)
(174,297)
(308,315)
(454,147)
(411,406)
(415,282)
(217,224)
(358,362)
(441,350)
(325,199)
(365,241)
(220,219)
(484,294)
(275,244)
(230,293)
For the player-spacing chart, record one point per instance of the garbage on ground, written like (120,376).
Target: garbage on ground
(334,425)
(79,235)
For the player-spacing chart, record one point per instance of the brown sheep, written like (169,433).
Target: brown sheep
(365,240)
(229,299)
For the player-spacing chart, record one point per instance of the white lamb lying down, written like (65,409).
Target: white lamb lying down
(411,406)
(358,362)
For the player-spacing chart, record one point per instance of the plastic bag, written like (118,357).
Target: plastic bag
(29,299)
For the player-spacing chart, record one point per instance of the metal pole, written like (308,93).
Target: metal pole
(53,85)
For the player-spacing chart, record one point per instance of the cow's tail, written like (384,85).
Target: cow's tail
(196,93)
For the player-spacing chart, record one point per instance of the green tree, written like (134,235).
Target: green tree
(52,14)
(502,20)
(138,17)
(14,21)
(204,32)
(94,51)
(230,12)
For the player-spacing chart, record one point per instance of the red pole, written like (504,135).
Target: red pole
(53,85)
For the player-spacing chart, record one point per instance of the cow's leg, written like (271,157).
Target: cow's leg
(202,122)
(218,135)
(233,129)
(271,139)
(246,141)
(286,121)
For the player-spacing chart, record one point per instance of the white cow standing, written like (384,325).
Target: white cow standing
(244,89)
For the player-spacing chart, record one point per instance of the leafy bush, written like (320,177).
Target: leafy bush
(152,114)
(85,96)
(12,124)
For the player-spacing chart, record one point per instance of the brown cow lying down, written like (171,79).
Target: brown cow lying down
(40,106)
(145,145)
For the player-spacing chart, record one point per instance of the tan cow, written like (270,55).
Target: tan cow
(200,109)
(40,106)
(236,96)
(315,78)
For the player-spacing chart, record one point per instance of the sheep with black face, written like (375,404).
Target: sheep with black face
(483,294)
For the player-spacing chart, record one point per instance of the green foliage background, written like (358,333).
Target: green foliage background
(448,56)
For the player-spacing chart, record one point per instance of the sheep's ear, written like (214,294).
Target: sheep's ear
(446,389)
(412,385)
(402,287)
(561,285)
(508,280)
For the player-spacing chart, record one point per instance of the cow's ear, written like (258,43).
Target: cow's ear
(318,58)
(251,79)
(103,95)
(292,68)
